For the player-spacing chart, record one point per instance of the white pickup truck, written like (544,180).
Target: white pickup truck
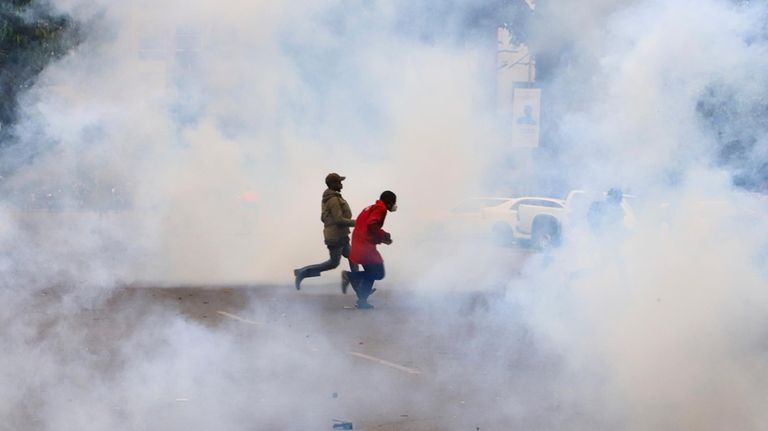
(542,220)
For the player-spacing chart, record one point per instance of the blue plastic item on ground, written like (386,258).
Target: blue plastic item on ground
(342,425)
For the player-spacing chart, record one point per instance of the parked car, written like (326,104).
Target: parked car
(541,221)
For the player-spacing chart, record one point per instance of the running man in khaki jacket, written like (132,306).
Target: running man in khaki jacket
(337,219)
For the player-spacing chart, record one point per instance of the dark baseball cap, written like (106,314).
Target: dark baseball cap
(334,178)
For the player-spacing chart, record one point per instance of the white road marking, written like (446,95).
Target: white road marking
(383,362)
(238,318)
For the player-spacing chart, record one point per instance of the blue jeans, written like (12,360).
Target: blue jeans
(363,281)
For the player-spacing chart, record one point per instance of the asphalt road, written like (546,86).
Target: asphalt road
(440,359)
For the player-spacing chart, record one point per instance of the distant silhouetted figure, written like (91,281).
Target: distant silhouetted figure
(606,212)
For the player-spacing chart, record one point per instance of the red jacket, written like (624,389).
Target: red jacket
(368,233)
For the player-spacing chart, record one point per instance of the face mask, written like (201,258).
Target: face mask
(393,209)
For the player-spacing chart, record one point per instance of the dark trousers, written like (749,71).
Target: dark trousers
(363,281)
(336,249)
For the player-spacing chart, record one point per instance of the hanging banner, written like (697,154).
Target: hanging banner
(526,107)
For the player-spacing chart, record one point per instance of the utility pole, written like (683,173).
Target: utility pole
(518,99)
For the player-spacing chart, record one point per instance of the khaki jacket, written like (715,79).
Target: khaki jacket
(336,216)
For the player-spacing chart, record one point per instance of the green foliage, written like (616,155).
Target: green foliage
(30,38)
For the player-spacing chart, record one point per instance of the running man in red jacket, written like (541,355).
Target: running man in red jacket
(368,232)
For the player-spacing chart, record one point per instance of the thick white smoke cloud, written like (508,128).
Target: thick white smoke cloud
(210,127)
(188,109)
(187,143)
(659,329)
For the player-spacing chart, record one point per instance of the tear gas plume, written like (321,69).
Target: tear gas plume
(656,326)
(187,142)
(183,115)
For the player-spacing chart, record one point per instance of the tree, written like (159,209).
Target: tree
(30,38)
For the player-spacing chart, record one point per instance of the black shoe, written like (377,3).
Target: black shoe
(364,305)
(344,281)
(297,281)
